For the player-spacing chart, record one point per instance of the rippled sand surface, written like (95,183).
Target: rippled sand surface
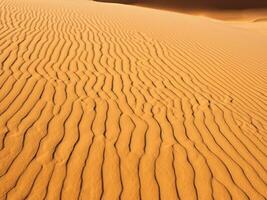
(108,101)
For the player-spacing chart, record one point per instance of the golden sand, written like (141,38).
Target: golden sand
(108,101)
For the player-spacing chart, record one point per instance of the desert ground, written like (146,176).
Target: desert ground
(109,101)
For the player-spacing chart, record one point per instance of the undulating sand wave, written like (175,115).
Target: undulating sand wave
(107,101)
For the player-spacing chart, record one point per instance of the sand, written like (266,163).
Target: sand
(109,101)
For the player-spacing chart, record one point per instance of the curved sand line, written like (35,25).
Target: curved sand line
(106,101)
(261,20)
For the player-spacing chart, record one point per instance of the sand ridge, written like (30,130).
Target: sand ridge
(99,102)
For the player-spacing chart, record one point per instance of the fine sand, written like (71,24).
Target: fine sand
(109,101)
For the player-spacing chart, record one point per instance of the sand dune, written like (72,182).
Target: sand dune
(229,10)
(203,4)
(108,101)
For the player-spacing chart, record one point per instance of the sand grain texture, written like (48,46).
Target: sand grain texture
(107,101)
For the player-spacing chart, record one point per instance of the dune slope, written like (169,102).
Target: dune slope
(199,4)
(107,101)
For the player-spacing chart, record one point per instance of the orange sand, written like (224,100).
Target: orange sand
(108,101)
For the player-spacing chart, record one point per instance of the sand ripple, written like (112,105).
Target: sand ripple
(102,101)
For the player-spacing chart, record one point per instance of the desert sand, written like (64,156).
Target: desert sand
(110,101)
